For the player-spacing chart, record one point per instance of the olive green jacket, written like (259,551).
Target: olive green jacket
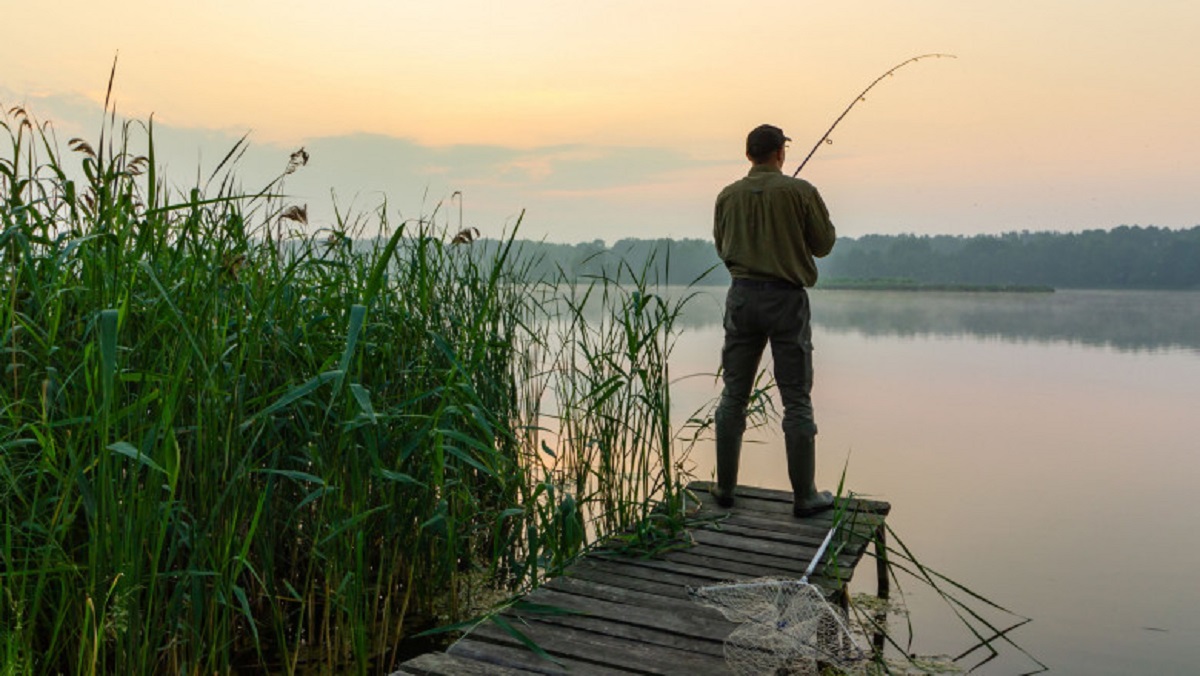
(770,226)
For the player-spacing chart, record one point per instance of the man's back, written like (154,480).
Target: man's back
(770,226)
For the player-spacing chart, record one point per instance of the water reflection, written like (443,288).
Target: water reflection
(1131,321)
(1040,448)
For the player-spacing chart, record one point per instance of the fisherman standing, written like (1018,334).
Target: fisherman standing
(768,228)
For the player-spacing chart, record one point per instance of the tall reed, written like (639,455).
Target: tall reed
(227,442)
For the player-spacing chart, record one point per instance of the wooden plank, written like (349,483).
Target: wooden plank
(603,650)
(769,525)
(443,664)
(783,507)
(662,582)
(845,544)
(728,569)
(680,616)
(738,548)
(772,526)
(732,566)
(711,646)
(852,537)
(655,568)
(715,572)
(521,658)
(702,488)
(783,510)
(678,567)
(789,562)
(792,549)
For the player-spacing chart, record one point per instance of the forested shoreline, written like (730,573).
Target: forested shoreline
(1126,257)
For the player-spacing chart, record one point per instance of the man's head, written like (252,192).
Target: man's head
(765,144)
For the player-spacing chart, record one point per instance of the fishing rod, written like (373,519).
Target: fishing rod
(862,97)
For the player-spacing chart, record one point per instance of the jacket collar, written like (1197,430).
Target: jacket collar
(764,169)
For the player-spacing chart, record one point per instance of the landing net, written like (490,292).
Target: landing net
(785,626)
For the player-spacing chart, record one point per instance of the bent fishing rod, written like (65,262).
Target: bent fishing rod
(862,96)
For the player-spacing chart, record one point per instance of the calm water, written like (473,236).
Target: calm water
(1042,449)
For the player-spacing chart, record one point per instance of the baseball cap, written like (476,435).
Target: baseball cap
(765,139)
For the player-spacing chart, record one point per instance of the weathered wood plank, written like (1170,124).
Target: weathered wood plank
(713,572)
(519,657)
(680,616)
(701,488)
(772,527)
(844,544)
(444,664)
(781,510)
(660,563)
(781,564)
(723,568)
(795,550)
(724,545)
(659,580)
(610,651)
(714,647)
(653,581)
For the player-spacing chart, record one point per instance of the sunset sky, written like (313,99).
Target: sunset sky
(619,119)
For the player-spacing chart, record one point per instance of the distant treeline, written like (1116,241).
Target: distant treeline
(1121,258)
(1127,257)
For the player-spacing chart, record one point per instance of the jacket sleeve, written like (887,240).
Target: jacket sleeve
(718,229)
(820,233)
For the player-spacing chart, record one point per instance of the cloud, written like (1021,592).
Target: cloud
(566,191)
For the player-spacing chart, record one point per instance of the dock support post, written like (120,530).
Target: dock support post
(882,583)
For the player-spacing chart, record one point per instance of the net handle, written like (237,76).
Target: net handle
(812,565)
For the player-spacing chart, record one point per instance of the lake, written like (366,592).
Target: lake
(1041,449)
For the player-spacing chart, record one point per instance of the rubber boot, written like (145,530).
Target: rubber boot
(729,452)
(802,470)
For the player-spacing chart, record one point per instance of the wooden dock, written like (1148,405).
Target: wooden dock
(628,614)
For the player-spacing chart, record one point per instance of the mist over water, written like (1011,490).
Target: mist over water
(1124,320)
(1038,448)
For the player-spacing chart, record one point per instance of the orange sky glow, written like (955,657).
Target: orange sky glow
(616,119)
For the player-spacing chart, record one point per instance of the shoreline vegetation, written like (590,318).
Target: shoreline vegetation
(228,443)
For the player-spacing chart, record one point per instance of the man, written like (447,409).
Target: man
(768,228)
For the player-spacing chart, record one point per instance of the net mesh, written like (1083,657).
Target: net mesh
(784,627)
